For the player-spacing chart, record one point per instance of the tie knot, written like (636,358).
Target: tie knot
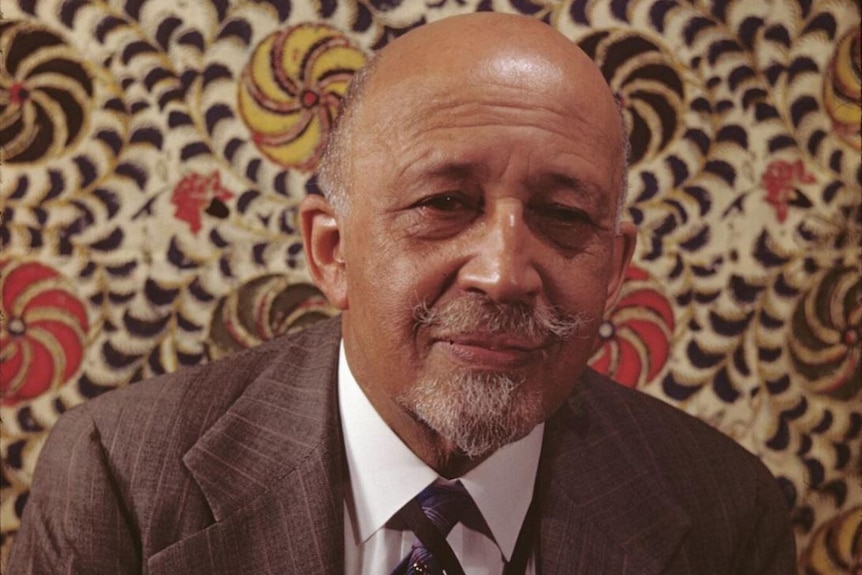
(447,504)
(431,515)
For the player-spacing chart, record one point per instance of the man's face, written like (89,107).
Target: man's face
(479,248)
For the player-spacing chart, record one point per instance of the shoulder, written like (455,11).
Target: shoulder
(731,499)
(152,424)
(201,393)
(118,460)
(642,420)
(681,450)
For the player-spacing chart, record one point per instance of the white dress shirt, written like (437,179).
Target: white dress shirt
(384,474)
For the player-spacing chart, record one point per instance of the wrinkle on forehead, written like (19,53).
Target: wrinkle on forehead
(412,113)
(509,78)
(439,98)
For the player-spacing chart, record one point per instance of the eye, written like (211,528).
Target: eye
(566,226)
(561,214)
(444,203)
(442,215)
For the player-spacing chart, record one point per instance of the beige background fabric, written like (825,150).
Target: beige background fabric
(154,153)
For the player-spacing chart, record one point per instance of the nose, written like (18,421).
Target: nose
(502,256)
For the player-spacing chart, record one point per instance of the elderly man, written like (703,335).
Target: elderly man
(471,237)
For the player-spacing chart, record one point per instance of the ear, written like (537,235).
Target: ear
(321,238)
(624,247)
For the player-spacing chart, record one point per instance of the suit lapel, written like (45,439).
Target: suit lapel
(603,510)
(271,471)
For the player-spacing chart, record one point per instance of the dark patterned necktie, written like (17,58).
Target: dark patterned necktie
(445,506)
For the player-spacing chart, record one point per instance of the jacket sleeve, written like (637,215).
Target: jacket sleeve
(75,520)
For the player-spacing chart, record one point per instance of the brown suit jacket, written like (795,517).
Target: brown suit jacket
(237,467)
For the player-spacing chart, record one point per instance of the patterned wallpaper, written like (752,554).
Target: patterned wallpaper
(154,152)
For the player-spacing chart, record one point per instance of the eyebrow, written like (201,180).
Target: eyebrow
(448,169)
(557,180)
(594,195)
(436,167)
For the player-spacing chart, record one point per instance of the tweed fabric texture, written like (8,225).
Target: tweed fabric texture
(248,478)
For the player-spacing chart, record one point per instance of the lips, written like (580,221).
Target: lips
(494,352)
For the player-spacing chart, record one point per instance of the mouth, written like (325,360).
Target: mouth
(491,352)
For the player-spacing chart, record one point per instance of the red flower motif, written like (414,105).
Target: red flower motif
(194,193)
(18,93)
(42,339)
(635,339)
(779,179)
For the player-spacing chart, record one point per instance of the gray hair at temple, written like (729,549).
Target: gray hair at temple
(332,170)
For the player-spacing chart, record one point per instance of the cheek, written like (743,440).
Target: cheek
(384,286)
(580,286)
(408,275)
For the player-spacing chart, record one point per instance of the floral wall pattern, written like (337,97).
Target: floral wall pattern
(155,151)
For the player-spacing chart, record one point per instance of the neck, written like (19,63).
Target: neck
(440,454)
(443,456)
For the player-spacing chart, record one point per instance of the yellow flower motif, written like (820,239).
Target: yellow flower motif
(291,89)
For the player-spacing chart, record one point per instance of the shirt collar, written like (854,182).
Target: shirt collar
(384,478)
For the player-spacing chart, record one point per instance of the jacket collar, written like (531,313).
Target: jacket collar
(271,470)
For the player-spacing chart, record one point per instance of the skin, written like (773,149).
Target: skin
(489,160)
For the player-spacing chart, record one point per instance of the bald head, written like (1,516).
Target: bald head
(484,45)
(434,66)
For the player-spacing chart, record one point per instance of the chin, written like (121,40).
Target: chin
(475,412)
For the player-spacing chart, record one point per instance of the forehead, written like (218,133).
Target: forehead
(460,119)
(528,80)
